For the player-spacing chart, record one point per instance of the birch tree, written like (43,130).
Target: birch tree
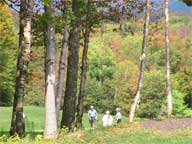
(25,15)
(142,64)
(167,47)
(50,129)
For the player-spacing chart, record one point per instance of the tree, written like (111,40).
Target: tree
(62,66)
(184,85)
(142,65)
(50,110)
(167,46)
(125,79)
(153,100)
(86,34)
(69,107)
(8,44)
(25,14)
(91,19)
(101,61)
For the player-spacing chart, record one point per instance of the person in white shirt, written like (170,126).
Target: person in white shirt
(92,114)
(118,115)
(107,119)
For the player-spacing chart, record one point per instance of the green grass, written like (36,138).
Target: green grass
(120,134)
(5,118)
(127,134)
(35,119)
(148,137)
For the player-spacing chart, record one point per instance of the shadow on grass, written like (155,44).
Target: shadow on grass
(3,133)
(31,130)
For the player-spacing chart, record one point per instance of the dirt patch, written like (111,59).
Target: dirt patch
(168,124)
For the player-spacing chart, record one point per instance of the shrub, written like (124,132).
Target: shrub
(153,97)
(179,107)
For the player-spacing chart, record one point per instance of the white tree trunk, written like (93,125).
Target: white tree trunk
(50,112)
(50,130)
(167,46)
(142,65)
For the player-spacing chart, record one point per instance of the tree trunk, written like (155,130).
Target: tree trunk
(50,130)
(62,70)
(142,65)
(69,107)
(25,14)
(168,77)
(80,108)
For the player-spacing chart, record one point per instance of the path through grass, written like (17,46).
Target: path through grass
(131,134)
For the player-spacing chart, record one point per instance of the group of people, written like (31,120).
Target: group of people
(107,118)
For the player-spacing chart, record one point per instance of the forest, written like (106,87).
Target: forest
(59,57)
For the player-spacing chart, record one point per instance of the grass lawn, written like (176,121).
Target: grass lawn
(118,134)
(35,119)
(131,135)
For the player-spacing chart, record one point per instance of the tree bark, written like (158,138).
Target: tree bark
(142,65)
(167,46)
(69,107)
(50,129)
(62,70)
(25,14)
(80,107)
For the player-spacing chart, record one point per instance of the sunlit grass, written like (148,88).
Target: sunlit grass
(35,119)
(118,134)
(130,134)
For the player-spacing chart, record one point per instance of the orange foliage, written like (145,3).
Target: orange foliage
(182,67)
(136,81)
(152,68)
(173,37)
(33,56)
(34,75)
(160,38)
(115,44)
